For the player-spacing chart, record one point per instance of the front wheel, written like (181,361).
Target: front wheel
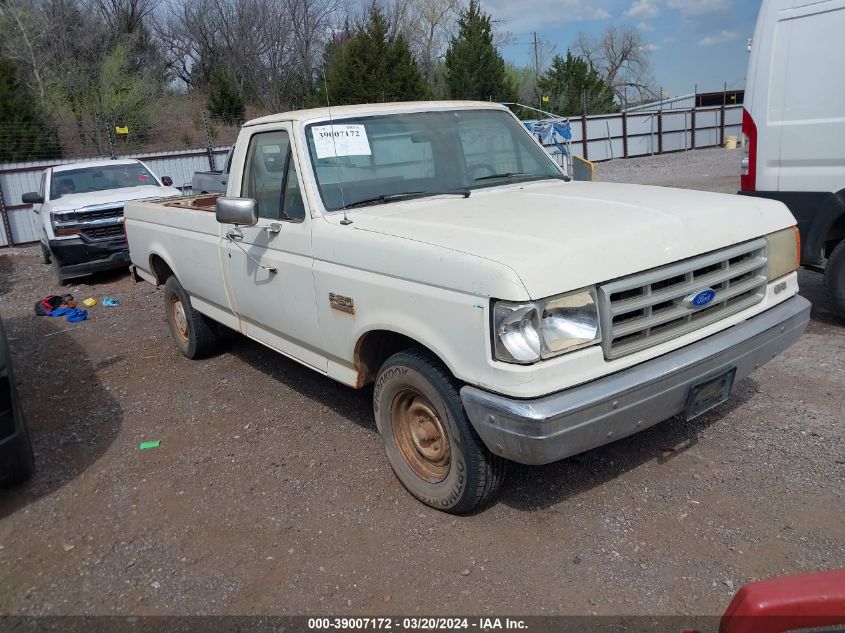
(834,280)
(45,253)
(57,270)
(430,444)
(194,333)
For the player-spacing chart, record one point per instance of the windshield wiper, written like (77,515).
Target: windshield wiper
(520,174)
(507,174)
(391,197)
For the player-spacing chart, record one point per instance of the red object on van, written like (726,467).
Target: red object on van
(748,179)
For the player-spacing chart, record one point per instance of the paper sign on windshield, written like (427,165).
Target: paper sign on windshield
(340,140)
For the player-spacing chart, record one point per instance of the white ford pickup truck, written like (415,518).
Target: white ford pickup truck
(500,311)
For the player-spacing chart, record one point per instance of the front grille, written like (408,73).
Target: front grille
(650,308)
(102,232)
(101,214)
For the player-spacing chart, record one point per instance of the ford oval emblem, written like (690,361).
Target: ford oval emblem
(701,299)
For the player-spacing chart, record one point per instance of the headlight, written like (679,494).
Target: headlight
(525,332)
(784,252)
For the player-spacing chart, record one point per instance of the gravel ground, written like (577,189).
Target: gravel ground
(706,170)
(270,494)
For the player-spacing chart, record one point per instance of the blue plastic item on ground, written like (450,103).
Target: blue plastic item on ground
(110,302)
(73,315)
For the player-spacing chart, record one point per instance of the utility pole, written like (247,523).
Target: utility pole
(536,65)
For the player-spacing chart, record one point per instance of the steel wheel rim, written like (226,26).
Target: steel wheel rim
(180,319)
(420,435)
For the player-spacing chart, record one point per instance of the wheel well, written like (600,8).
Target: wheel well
(375,347)
(160,269)
(835,235)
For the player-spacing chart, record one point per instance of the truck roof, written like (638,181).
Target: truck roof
(95,163)
(374,109)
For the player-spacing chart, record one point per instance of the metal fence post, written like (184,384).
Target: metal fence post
(6,224)
(692,128)
(110,136)
(208,145)
(624,134)
(660,132)
(584,124)
(722,126)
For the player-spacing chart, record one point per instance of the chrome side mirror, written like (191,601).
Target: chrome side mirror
(242,211)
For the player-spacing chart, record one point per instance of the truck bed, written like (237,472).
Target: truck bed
(204,202)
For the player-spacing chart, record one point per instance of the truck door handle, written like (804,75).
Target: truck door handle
(235,234)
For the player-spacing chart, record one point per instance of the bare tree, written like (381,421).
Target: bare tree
(311,24)
(435,22)
(177,42)
(26,35)
(621,58)
(124,16)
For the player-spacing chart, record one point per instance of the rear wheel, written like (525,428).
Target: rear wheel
(194,333)
(834,280)
(430,443)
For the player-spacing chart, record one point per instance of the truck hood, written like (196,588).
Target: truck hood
(112,196)
(559,236)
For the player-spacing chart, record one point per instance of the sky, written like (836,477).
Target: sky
(691,41)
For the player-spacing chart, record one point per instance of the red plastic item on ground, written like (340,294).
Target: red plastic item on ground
(788,603)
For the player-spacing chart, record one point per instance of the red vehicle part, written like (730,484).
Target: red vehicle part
(805,601)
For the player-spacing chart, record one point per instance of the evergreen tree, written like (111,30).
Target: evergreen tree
(25,133)
(474,68)
(372,66)
(570,82)
(224,99)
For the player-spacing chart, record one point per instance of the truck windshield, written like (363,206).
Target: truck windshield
(380,159)
(100,178)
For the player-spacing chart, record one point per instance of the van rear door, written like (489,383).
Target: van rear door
(806,100)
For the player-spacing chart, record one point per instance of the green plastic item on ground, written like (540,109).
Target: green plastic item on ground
(153,444)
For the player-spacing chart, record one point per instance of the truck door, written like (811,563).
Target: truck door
(269,265)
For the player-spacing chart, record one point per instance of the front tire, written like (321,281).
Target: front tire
(194,333)
(45,253)
(57,270)
(834,280)
(430,444)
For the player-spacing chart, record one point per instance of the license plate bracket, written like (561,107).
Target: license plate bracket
(709,393)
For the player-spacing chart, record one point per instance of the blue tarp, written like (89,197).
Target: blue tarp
(555,133)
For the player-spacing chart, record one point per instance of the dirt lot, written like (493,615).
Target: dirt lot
(270,493)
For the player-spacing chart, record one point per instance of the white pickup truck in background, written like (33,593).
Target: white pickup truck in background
(80,208)
(500,311)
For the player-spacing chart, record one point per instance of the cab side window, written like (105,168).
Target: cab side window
(270,177)
(265,172)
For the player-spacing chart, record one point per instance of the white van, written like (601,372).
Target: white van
(794,124)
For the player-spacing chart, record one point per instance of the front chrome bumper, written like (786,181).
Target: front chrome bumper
(566,423)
